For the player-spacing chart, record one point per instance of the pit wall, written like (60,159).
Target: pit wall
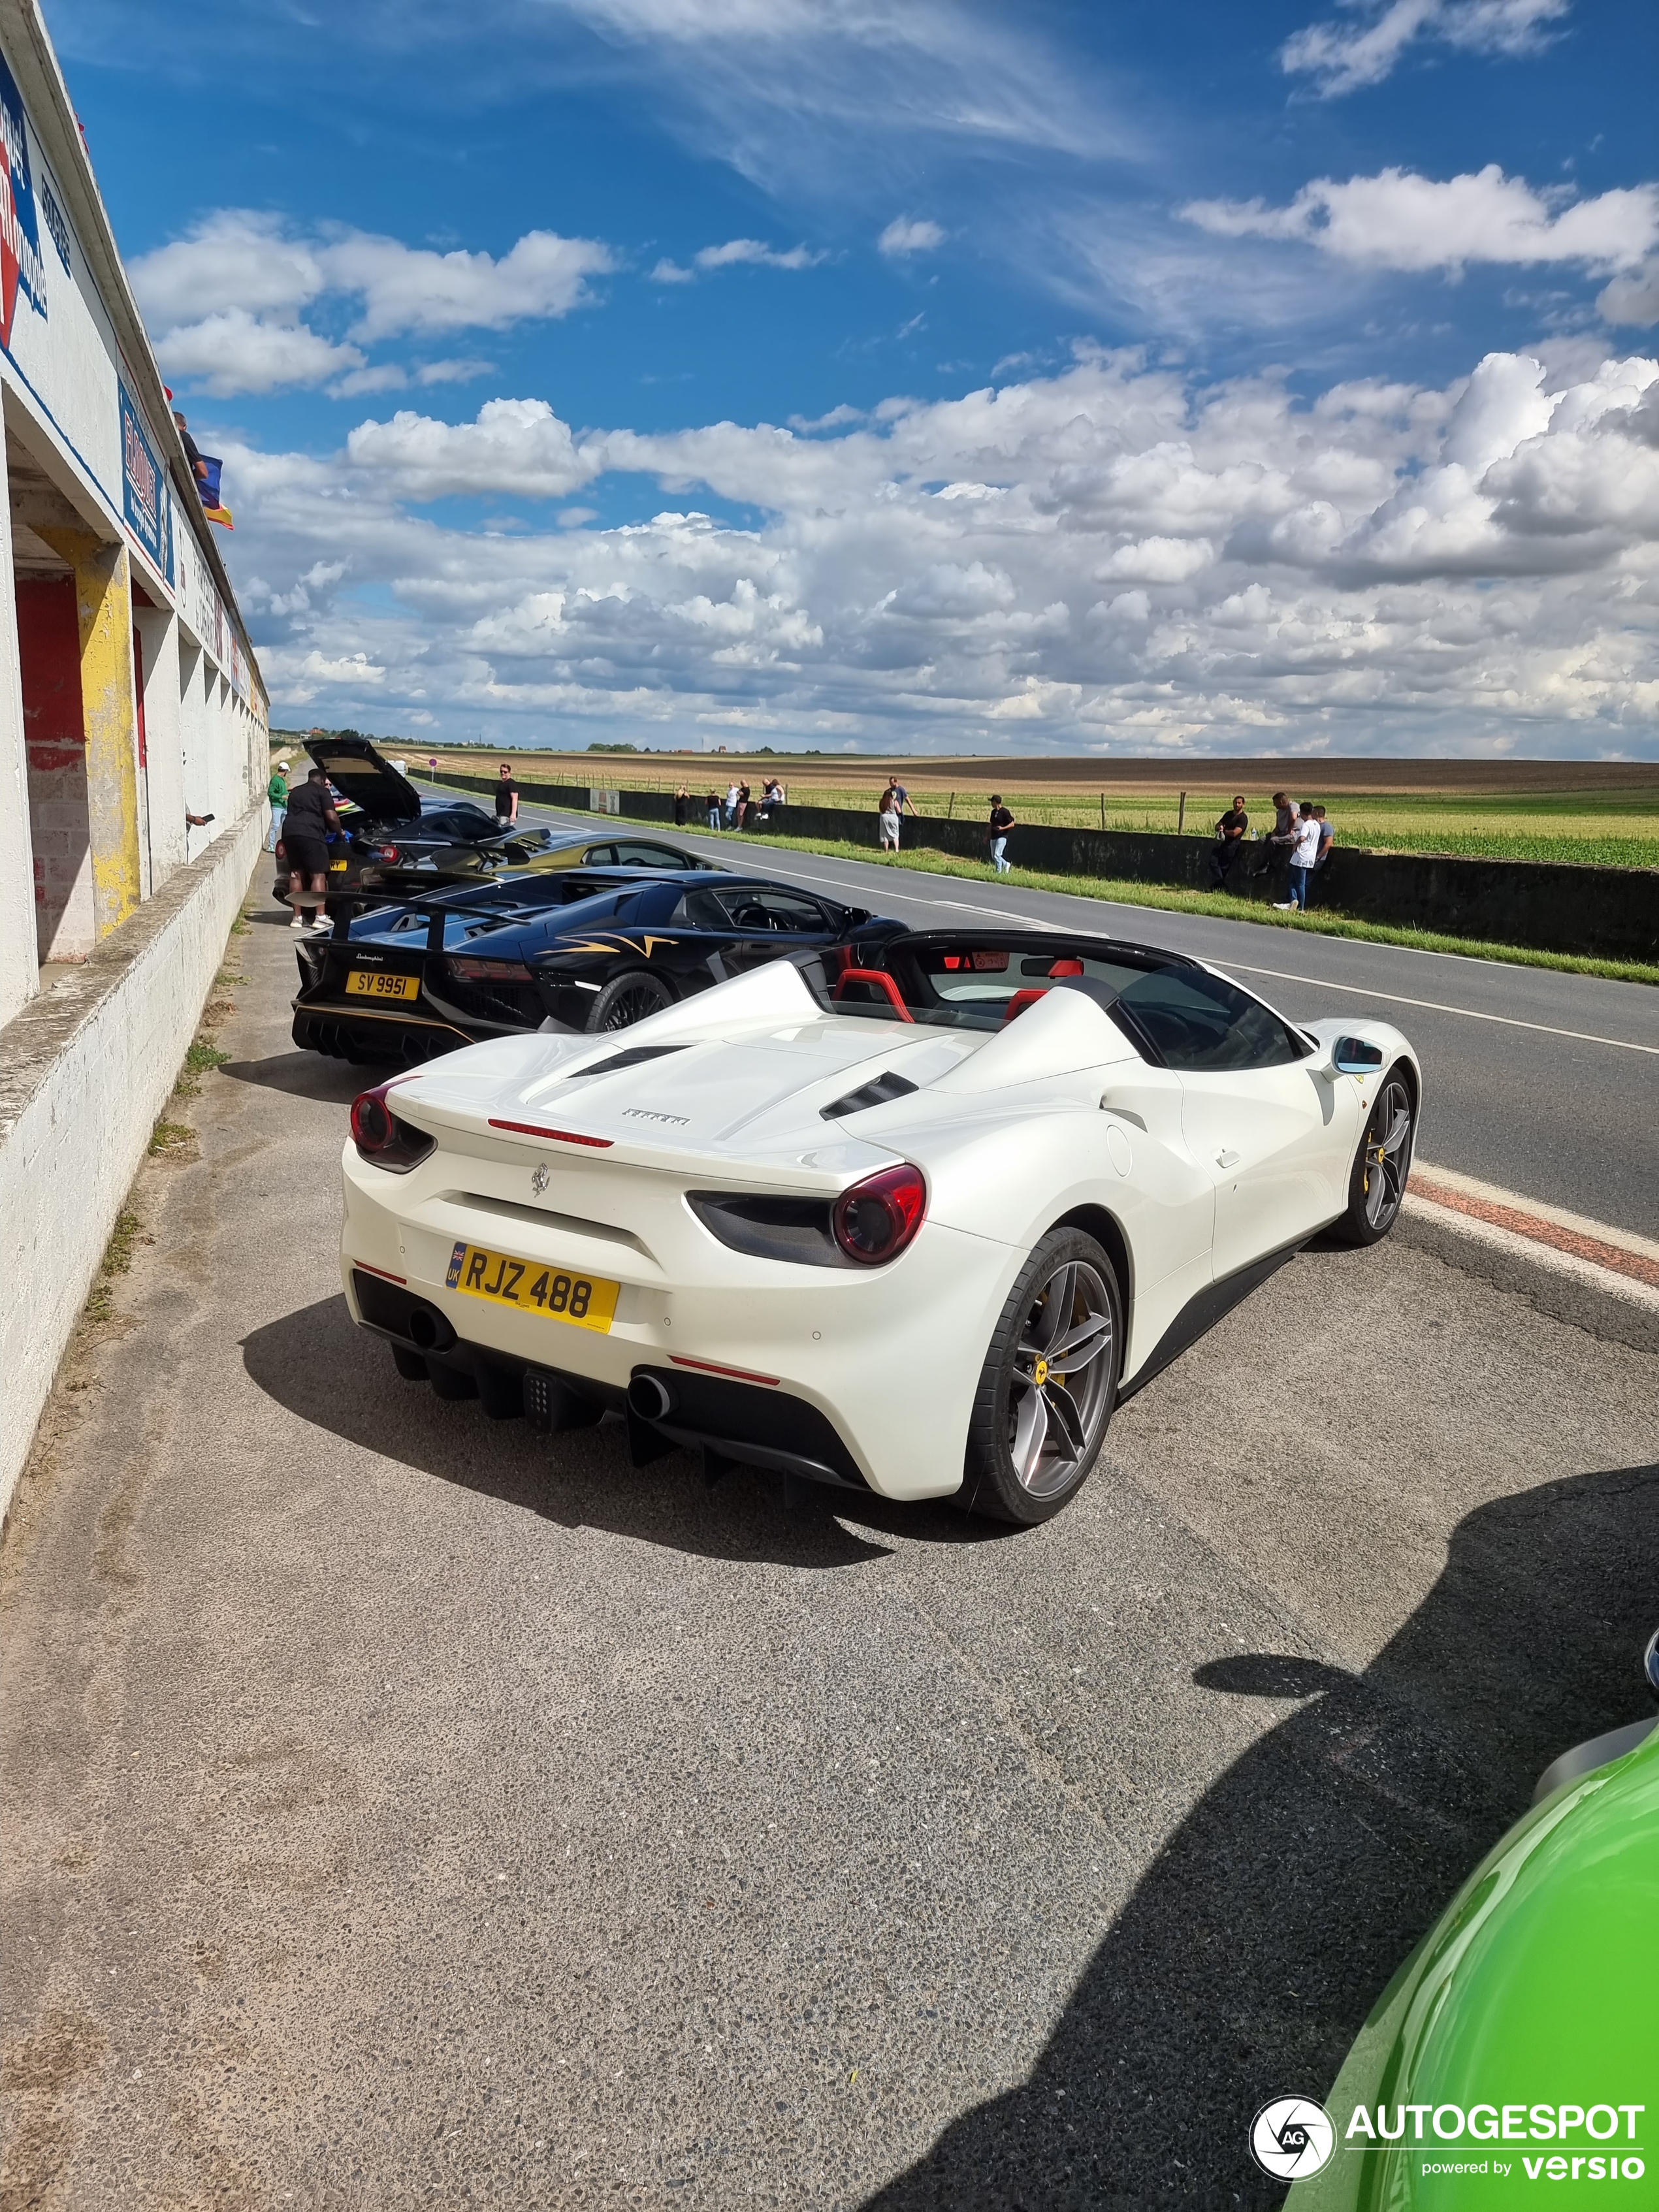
(85,1071)
(1602,913)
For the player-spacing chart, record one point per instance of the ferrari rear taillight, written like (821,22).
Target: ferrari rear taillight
(387,853)
(383,1138)
(874,1220)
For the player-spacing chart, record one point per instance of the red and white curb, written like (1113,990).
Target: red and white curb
(1608,1268)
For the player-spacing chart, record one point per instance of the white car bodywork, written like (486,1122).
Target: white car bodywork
(1198,1178)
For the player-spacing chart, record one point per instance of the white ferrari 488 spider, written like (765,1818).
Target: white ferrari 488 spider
(914,1228)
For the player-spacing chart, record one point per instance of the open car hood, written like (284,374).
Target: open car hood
(367,778)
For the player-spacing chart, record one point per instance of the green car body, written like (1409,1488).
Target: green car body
(1528,2005)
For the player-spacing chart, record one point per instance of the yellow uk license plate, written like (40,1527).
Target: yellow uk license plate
(337,867)
(586,1301)
(376,983)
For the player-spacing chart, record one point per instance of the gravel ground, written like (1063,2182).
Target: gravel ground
(401,1809)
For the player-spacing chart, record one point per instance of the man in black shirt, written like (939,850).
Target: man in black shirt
(1229,842)
(1001,821)
(506,796)
(310,823)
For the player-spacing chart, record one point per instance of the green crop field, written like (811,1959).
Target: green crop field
(1600,814)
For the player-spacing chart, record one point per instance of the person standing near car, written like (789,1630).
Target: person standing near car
(682,803)
(997,828)
(713,803)
(310,823)
(276,793)
(507,798)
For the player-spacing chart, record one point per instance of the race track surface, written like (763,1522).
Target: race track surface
(402,1809)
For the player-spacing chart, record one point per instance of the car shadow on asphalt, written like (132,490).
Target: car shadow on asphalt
(306,1075)
(318,1365)
(1255,1944)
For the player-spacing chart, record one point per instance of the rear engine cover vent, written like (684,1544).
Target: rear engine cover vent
(877,1092)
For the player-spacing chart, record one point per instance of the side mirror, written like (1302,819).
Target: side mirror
(857,916)
(1353,1056)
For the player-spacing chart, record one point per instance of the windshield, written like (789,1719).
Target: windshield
(978,984)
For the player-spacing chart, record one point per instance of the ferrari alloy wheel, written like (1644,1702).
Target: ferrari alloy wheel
(1048,1384)
(629,998)
(1382,1164)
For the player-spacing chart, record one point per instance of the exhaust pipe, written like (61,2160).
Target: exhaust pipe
(650,1397)
(429,1330)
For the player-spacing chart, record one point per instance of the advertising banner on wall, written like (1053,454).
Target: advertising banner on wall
(20,269)
(143,487)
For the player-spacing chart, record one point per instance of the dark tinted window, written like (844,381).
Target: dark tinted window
(702,910)
(472,822)
(639,855)
(789,912)
(1200,1024)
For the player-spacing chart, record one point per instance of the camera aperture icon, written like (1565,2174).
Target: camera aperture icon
(1291,2138)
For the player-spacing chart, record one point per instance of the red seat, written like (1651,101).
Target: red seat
(882,982)
(1019,1003)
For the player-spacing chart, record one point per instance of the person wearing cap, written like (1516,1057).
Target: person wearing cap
(276,793)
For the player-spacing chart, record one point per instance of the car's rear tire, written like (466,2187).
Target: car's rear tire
(628,999)
(1376,1185)
(1038,1420)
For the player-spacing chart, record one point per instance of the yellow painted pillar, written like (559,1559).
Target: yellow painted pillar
(103,604)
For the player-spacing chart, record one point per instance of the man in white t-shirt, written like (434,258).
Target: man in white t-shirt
(1304,853)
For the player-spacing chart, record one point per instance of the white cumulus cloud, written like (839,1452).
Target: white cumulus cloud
(1399,220)
(233,351)
(1121,557)
(225,304)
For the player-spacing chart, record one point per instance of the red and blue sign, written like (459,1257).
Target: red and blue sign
(19,230)
(143,487)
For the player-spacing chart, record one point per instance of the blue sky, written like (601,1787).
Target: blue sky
(1199,379)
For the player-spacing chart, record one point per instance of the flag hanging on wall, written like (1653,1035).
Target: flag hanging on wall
(212,505)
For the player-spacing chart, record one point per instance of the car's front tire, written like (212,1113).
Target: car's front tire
(1377,1186)
(1049,1385)
(629,998)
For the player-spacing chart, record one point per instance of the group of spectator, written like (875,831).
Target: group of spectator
(1298,844)
(738,809)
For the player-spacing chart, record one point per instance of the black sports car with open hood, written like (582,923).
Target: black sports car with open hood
(398,842)
(582,949)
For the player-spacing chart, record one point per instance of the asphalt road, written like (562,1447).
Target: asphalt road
(1534,1079)
(401,1810)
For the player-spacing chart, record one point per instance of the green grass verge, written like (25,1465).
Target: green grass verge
(128,1231)
(200,1059)
(1216,904)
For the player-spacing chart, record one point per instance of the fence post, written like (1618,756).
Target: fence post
(1181,816)
(1102,809)
(952,808)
